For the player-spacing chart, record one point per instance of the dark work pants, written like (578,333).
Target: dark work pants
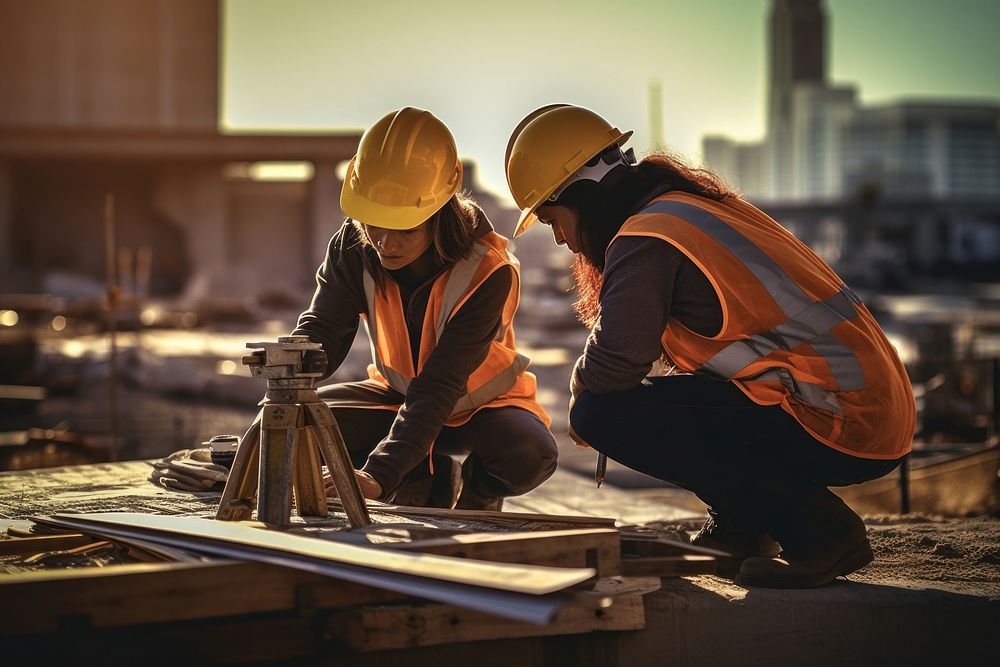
(754,465)
(510,451)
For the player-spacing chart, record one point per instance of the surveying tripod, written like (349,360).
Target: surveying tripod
(281,453)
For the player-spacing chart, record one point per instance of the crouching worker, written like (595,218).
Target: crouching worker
(437,289)
(783,383)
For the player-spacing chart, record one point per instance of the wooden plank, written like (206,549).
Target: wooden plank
(528,579)
(122,595)
(500,518)
(599,548)
(407,626)
(291,639)
(645,545)
(248,639)
(668,566)
(33,545)
(617,586)
(521,592)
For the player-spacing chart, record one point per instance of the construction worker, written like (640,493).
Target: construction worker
(779,382)
(419,262)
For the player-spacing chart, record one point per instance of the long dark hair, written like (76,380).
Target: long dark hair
(602,209)
(453,233)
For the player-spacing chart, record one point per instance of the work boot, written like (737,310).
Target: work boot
(473,501)
(474,496)
(420,488)
(739,543)
(834,544)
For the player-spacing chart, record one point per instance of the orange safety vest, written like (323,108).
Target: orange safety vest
(501,379)
(793,334)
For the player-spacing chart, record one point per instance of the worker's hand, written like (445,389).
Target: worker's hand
(572,434)
(188,470)
(577,439)
(370,489)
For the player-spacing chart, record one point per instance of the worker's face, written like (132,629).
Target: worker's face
(398,247)
(563,221)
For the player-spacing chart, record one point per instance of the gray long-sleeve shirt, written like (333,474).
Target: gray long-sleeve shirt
(332,319)
(647,282)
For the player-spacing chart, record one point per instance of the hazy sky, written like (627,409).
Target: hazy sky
(327,64)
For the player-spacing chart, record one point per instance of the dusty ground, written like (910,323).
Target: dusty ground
(957,555)
(918,552)
(914,551)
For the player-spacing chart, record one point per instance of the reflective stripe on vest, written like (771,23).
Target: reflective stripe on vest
(459,278)
(396,380)
(458,282)
(808,322)
(499,385)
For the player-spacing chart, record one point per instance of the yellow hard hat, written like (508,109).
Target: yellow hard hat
(406,169)
(548,148)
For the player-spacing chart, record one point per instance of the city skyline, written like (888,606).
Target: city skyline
(287,66)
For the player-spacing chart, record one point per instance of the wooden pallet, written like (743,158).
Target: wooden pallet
(228,610)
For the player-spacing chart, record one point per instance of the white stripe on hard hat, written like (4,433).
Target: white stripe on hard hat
(597,171)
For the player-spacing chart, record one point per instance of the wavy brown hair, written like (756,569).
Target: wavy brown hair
(454,229)
(602,209)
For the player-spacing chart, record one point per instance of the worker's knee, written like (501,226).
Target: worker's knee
(535,457)
(513,453)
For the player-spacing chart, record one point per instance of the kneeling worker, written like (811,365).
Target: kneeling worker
(437,289)
(784,385)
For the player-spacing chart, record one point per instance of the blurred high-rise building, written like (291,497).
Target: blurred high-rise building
(813,168)
(822,145)
(796,57)
(744,165)
(923,149)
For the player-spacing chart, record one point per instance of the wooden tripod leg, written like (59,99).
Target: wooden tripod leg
(307,479)
(277,445)
(241,485)
(334,452)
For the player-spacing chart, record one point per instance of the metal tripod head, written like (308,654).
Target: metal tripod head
(292,364)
